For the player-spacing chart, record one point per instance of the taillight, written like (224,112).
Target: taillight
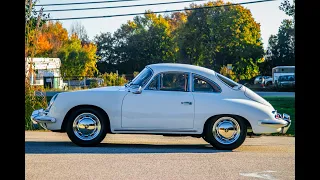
(277,116)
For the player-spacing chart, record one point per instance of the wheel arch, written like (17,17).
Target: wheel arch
(247,123)
(65,119)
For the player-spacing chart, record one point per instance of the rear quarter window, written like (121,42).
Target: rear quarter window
(227,81)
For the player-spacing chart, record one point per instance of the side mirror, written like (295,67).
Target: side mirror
(137,90)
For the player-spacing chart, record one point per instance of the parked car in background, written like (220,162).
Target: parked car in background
(91,82)
(267,80)
(286,81)
(168,99)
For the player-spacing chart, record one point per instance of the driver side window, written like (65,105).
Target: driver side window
(174,81)
(170,81)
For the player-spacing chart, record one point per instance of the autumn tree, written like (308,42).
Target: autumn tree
(209,37)
(51,38)
(145,40)
(76,59)
(176,20)
(34,20)
(215,37)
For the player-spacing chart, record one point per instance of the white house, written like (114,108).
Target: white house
(46,72)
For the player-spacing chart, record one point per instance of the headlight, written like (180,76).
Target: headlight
(51,102)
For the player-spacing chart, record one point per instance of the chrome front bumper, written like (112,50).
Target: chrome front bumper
(40,117)
(283,122)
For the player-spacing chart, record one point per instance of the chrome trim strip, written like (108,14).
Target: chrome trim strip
(274,123)
(40,116)
(44,119)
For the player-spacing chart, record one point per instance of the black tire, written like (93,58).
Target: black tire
(210,137)
(205,138)
(89,142)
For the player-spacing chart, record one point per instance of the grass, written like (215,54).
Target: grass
(281,104)
(284,105)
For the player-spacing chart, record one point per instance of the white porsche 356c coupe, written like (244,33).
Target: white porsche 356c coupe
(167,99)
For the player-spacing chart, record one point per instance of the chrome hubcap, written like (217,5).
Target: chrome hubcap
(86,126)
(226,130)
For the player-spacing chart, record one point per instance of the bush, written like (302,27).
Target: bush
(93,84)
(135,73)
(112,79)
(228,73)
(33,102)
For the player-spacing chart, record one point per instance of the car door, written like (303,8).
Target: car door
(165,104)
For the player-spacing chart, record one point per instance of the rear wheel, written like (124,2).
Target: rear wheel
(86,127)
(225,132)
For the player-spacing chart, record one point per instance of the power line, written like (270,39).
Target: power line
(75,3)
(177,10)
(110,7)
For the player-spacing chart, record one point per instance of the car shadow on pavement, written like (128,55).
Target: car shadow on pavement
(36,147)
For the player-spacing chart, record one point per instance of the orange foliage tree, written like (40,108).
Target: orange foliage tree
(51,38)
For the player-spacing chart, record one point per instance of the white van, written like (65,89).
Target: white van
(280,71)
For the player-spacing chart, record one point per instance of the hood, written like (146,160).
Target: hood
(108,88)
(255,97)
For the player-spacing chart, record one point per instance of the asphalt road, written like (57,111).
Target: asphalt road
(124,156)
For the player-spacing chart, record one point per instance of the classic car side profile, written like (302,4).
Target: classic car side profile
(164,99)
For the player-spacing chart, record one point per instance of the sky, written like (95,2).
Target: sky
(267,14)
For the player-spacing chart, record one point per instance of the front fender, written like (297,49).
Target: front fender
(109,101)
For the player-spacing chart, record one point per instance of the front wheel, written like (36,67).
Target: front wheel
(86,127)
(225,132)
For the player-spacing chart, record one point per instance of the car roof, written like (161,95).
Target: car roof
(284,67)
(162,67)
(286,75)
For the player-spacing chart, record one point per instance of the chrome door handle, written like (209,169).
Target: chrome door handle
(190,103)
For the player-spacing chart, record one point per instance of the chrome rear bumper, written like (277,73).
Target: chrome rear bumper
(283,122)
(40,117)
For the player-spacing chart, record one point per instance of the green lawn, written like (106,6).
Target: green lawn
(284,105)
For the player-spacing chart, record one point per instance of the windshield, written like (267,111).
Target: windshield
(286,78)
(142,78)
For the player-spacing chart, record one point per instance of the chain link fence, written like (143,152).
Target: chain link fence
(82,82)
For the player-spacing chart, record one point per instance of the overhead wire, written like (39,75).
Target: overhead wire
(79,3)
(156,12)
(124,6)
